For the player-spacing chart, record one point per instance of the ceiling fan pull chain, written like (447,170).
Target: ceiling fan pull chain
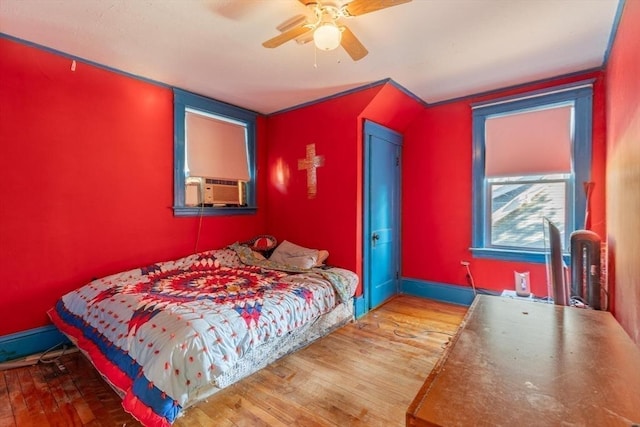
(315,57)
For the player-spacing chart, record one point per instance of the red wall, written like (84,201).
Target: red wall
(437,189)
(333,219)
(623,169)
(87,181)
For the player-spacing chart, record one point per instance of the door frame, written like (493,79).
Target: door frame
(373,129)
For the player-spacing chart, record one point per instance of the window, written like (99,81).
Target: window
(214,157)
(532,155)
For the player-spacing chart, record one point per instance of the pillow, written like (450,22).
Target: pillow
(263,243)
(288,253)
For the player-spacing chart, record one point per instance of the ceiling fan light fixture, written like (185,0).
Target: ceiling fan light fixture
(327,36)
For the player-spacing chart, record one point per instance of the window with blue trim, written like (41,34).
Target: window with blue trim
(531,157)
(214,157)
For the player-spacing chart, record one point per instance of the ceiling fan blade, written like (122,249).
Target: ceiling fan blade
(308,2)
(286,36)
(352,45)
(360,7)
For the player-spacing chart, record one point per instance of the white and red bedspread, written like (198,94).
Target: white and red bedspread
(160,333)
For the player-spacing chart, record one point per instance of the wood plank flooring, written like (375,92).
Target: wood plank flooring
(364,374)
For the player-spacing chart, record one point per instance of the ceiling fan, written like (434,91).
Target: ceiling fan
(326,27)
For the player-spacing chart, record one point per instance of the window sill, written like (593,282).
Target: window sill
(509,255)
(209,211)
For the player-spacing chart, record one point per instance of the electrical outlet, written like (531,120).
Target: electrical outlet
(522,284)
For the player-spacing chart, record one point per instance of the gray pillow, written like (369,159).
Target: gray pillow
(288,253)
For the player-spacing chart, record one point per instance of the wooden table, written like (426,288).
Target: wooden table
(521,363)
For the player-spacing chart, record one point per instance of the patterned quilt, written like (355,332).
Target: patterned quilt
(161,332)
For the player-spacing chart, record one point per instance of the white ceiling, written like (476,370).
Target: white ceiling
(436,49)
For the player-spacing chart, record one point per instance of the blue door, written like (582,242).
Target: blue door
(381,225)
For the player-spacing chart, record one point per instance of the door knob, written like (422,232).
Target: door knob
(375,237)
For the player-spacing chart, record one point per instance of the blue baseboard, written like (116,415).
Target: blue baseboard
(359,307)
(20,344)
(453,294)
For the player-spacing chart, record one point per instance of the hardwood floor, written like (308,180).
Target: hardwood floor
(364,374)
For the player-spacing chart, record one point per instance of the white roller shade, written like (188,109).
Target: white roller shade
(529,143)
(216,148)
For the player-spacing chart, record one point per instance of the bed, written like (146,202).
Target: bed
(173,333)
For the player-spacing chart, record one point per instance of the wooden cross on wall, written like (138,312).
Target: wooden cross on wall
(311,162)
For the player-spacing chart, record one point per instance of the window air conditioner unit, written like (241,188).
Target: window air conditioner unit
(221,192)
(214,192)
